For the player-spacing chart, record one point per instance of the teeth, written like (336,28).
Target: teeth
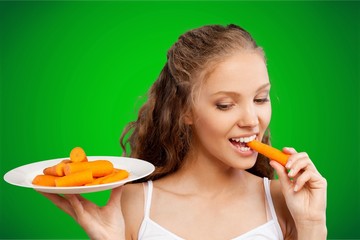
(244,139)
(244,149)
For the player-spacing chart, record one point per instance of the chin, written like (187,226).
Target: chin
(244,165)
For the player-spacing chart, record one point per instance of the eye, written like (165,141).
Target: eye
(261,100)
(224,106)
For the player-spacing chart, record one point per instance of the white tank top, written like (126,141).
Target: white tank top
(150,230)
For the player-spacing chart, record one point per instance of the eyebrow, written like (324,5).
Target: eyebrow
(237,94)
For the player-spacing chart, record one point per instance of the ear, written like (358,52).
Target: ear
(188,118)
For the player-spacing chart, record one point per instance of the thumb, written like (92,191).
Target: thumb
(115,196)
(283,176)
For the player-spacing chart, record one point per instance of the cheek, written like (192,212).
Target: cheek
(265,117)
(208,124)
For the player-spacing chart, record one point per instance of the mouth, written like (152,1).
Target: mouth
(241,142)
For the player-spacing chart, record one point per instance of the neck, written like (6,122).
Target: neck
(202,175)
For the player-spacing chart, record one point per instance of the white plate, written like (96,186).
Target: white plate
(23,176)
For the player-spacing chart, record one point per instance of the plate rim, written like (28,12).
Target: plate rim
(82,189)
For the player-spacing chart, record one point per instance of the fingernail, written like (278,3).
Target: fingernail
(288,164)
(290,173)
(296,188)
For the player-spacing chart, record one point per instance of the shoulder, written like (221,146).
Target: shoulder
(282,212)
(132,189)
(132,206)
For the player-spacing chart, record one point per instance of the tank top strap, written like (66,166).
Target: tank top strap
(269,200)
(148,189)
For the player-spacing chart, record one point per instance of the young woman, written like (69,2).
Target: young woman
(211,98)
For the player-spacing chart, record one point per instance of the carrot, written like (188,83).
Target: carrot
(75,179)
(269,151)
(99,168)
(56,170)
(78,154)
(96,181)
(116,176)
(99,179)
(44,180)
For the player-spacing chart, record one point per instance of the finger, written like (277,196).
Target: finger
(115,196)
(300,165)
(289,150)
(295,157)
(82,199)
(60,202)
(302,180)
(76,203)
(282,173)
(313,179)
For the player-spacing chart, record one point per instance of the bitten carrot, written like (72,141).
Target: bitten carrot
(99,168)
(78,154)
(56,170)
(44,180)
(75,179)
(269,151)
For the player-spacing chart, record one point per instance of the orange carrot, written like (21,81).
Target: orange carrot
(96,181)
(78,154)
(75,179)
(116,176)
(269,151)
(56,170)
(100,179)
(44,180)
(99,168)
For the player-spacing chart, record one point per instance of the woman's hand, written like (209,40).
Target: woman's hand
(98,222)
(304,190)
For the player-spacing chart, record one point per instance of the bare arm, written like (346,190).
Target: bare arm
(132,204)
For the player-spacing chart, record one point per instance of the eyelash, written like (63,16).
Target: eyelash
(224,107)
(261,100)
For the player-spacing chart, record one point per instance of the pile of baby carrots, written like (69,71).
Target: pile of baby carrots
(78,171)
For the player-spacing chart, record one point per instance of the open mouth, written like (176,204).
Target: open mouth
(240,143)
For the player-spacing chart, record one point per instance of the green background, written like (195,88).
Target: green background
(74,73)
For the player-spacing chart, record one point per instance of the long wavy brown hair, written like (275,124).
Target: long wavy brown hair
(160,134)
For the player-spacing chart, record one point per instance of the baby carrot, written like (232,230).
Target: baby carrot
(44,180)
(78,154)
(269,151)
(97,181)
(56,170)
(116,176)
(99,168)
(75,179)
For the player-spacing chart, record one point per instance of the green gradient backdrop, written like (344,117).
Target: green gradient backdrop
(74,73)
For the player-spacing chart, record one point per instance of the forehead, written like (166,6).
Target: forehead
(241,72)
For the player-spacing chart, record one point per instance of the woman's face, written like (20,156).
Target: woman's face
(232,108)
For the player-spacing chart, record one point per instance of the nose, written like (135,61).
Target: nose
(248,117)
